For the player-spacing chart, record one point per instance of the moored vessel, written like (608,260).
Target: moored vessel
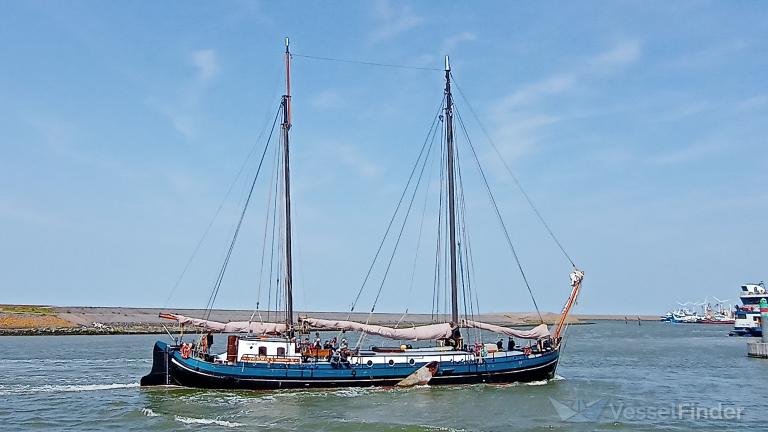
(748,321)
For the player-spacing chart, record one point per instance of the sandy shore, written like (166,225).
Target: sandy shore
(55,320)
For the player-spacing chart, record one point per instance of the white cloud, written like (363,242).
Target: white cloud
(392,21)
(687,154)
(621,54)
(61,139)
(18,212)
(207,64)
(352,158)
(694,151)
(182,109)
(534,91)
(753,103)
(518,127)
(452,41)
(326,99)
(713,54)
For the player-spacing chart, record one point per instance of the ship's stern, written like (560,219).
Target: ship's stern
(159,375)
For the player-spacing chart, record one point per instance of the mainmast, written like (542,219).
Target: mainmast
(286,126)
(451,191)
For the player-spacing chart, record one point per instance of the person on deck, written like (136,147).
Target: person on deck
(344,344)
(500,344)
(343,359)
(208,341)
(511,344)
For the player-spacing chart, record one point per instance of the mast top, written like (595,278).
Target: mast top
(447,64)
(287,43)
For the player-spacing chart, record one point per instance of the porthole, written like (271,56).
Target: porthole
(411,362)
(391,362)
(370,363)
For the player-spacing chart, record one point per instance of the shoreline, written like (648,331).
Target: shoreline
(36,320)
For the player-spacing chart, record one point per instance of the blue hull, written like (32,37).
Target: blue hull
(751,332)
(169,368)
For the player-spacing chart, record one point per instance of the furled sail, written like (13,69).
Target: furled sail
(425,332)
(230,327)
(538,332)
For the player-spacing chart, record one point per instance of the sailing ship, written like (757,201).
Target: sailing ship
(273,355)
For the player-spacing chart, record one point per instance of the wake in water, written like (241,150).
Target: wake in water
(26,389)
(192,420)
(149,413)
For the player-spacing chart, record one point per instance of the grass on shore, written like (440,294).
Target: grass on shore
(27,309)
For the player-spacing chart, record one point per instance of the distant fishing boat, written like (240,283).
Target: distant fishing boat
(718,314)
(272,355)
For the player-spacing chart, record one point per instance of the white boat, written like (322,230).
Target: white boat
(747,321)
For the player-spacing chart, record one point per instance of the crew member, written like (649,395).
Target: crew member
(208,341)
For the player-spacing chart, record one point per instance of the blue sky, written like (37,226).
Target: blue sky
(638,128)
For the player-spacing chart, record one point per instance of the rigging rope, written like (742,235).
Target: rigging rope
(399,235)
(397,209)
(418,246)
(366,63)
(438,249)
(514,177)
(264,237)
(220,278)
(498,213)
(223,201)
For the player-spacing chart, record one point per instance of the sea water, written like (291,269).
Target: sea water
(613,376)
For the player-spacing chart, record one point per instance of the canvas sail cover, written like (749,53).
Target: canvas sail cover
(230,327)
(425,332)
(538,332)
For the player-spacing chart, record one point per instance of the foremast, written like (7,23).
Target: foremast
(286,126)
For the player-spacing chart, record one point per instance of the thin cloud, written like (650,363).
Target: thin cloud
(21,213)
(326,99)
(615,155)
(688,154)
(182,110)
(519,127)
(753,103)
(352,158)
(712,54)
(60,139)
(619,55)
(622,53)
(207,64)
(391,21)
(450,43)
